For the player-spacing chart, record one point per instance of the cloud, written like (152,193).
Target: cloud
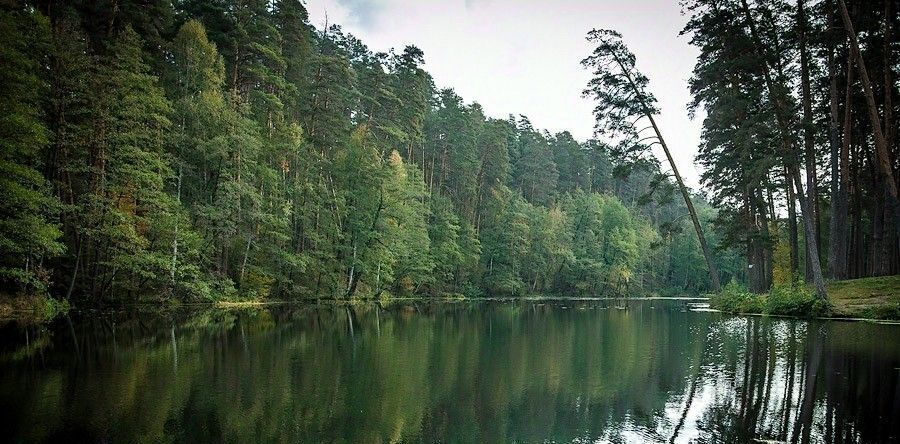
(364,13)
(470,4)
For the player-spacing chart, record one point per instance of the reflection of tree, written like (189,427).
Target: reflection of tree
(830,371)
(488,372)
(803,426)
(689,399)
(789,391)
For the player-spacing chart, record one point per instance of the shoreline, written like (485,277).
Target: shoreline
(31,317)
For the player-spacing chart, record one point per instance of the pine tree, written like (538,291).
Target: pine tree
(126,203)
(413,88)
(535,171)
(28,232)
(737,148)
(622,98)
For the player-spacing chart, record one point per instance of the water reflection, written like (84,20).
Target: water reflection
(484,372)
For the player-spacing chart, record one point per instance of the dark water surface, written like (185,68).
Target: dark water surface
(585,371)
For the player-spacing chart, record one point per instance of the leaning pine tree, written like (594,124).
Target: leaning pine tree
(619,90)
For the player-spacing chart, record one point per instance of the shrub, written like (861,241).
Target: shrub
(33,307)
(734,298)
(794,299)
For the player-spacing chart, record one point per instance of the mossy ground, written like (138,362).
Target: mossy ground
(876,297)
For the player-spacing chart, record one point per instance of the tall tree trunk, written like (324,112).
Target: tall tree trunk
(840,176)
(884,256)
(246,255)
(792,224)
(808,130)
(791,159)
(881,149)
(878,217)
(75,269)
(753,259)
(707,253)
(855,264)
(175,237)
(764,241)
(812,247)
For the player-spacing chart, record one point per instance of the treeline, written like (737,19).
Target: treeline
(801,85)
(204,150)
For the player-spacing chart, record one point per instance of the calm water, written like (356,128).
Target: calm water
(442,372)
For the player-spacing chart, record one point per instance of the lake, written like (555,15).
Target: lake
(494,371)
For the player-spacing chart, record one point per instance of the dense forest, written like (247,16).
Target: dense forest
(801,86)
(199,150)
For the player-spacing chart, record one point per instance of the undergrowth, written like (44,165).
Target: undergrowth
(794,299)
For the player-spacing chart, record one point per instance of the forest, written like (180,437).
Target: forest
(231,150)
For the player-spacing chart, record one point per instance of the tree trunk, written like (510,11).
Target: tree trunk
(855,265)
(246,255)
(884,257)
(74,270)
(765,245)
(881,149)
(792,224)
(812,247)
(707,254)
(878,217)
(756,276)
(840,177)
(808,130)
(175,237)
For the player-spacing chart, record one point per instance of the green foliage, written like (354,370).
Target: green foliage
(794,299)
(27,230)
(49,308)
(734,298)
(33,307)
(447,246)
(247,155)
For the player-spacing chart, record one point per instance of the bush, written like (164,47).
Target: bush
(33,307)
(735,298)
(794,299)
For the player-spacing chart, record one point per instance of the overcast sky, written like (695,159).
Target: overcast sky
(522,56)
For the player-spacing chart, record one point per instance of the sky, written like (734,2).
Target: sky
(523,56)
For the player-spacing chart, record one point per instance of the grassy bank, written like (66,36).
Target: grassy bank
(870,298)
(876,298)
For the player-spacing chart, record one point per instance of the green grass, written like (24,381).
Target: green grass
(869,298)
(874,298)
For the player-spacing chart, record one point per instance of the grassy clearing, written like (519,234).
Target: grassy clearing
(875,298)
